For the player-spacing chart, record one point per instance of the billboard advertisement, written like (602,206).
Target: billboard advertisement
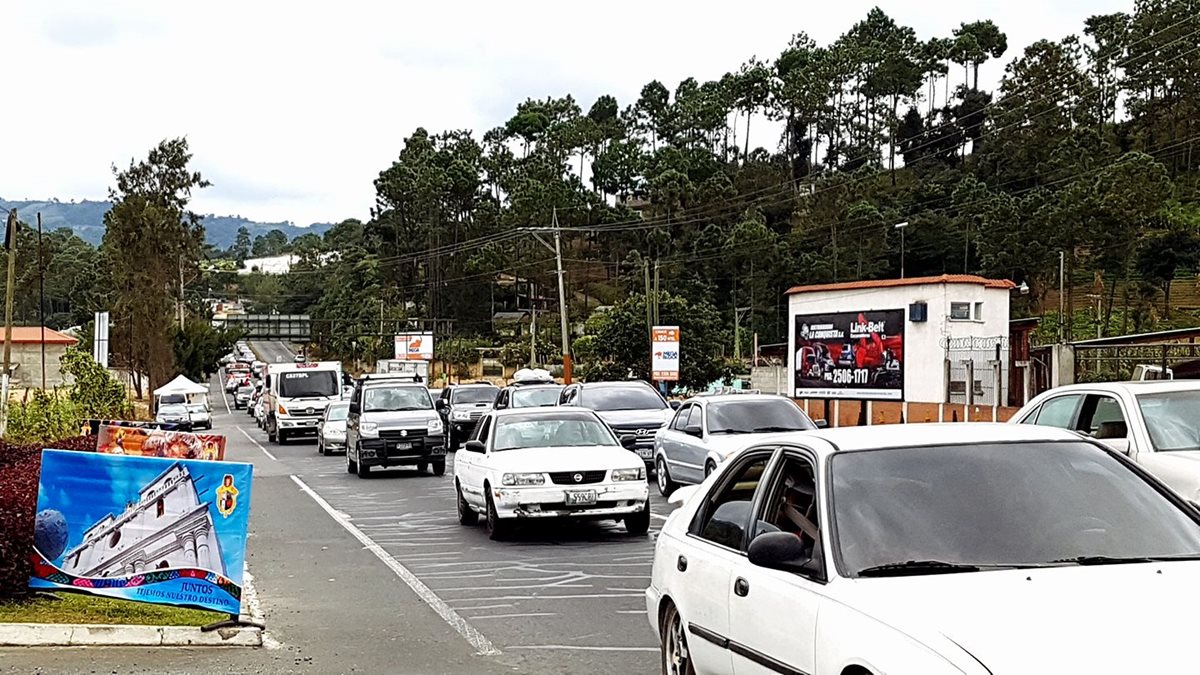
(120,440)
(664,350)
(414,347)
(149,529)
(850,355)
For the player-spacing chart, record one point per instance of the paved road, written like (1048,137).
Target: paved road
(377,575)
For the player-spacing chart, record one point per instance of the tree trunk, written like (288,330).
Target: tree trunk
(975,85)
(892,140)
(1112,298)
(746,155)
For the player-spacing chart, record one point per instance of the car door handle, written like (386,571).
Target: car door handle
(741,587)
(681,564)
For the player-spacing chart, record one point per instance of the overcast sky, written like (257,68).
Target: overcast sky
(293,108)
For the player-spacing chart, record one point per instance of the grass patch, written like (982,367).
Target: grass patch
(79,608)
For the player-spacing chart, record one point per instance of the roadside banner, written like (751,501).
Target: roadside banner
(119,440)
(850,355)
(92,427)
(664,350)
(148,529)
(414,347)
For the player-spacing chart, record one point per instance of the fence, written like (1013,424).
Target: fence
(977,370)
(1108,363)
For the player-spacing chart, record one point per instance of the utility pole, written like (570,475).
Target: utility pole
(42,298)
(532,335)
(10,240)
(737,331)
(649,309)
(656,291)
(902,227)
(180,301)
(1062,325)
(562,302)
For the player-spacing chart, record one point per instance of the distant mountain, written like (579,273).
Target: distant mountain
(86,219)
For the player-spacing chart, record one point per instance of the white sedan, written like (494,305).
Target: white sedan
(533,463)
(977,549)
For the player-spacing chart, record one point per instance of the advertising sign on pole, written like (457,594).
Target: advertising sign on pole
(414,347)
(118,440)
(162,531)
(850,355)
(664,350)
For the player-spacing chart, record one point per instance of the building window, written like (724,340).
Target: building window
(75,562)
(492,367)
(162,565)
(115,538)
(960,311)
(160,508)
(979,311)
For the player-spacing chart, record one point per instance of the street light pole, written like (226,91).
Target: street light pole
(901,226)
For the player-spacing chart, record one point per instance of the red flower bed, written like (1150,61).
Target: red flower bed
(19,470)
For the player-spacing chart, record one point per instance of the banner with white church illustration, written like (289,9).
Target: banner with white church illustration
(149,529)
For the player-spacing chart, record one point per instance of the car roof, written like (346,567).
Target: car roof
(886,436)
(546,411)
(1133,387)
(723,398)
(537,385)
(620,383)
(470,385)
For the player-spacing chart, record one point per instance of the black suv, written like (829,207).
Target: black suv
(461,406)
(632,408)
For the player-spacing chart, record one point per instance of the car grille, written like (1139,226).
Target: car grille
(305,411)
(402,434)
(476,414)
(568,477)
(644,439)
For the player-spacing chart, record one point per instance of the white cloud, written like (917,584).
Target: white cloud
(294,107)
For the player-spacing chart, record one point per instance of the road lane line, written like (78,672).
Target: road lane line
(224,398)
(512,616)
(587,649)
(257,444)
(482,645)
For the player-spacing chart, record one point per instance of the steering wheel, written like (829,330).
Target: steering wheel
(1070,528)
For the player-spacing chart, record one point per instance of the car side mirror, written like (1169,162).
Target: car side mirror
(474,446)
(821,424)
(355,409)
(779,551)
(629,442)
(693,430)
(1120,445)
(674,404)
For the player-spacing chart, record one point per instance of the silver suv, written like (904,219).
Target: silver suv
(392,422)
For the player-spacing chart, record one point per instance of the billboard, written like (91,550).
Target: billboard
(414,347)
(163,531)
(850,355)
(121,440)
(664,350)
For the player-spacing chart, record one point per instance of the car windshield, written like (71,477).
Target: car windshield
(338,413)
(1173,419)
(635,397)
(395,399)
(535,397)
(473,394)
(172,410)
(756,416)
(994,505)
(540,432)
(308,383)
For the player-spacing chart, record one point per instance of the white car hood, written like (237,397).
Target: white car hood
(1097,619)
(546,460)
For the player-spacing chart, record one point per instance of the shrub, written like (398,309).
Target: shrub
(96,393)
(45,415)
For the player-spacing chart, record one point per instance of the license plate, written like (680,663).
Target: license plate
(401,446)
(645,453)
(578,497)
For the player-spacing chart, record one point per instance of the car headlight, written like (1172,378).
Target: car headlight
(460,415)
(368,429)
(434,426)
(629,474)
(523,479)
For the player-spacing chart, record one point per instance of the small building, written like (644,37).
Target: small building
(167,527)
(27,356)
(942,339)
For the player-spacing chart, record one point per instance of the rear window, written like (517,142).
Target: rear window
(473,394)
(635,397)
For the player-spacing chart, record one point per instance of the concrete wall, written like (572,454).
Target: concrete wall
(925,351)
(848,413)
(28,359)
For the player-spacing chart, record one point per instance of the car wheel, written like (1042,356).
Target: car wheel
(362,469)
(282,438)
(439,467)
(422,466)
(453,442)
(676,659)
(497,528)
(709,467)
(639,523)
(351,465)
(665,485)
(466,515)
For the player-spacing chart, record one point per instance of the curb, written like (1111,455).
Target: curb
(80,635)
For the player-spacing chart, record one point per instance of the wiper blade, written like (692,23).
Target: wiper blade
(1124,560)
(759,430)
(915,567)
(732,431)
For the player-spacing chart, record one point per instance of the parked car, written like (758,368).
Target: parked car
(548,463)
(1154,423)
(331,432)
(972,549)
(392,422)
(199,415)
(631,408)
(461,406)
(706,429)
(176,414)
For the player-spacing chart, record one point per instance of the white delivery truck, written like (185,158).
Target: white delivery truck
(295,396)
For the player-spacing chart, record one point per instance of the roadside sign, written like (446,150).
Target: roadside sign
(664,353)
(414,347)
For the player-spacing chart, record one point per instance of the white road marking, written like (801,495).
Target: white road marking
(482,607)
(482,645)
(254,609)
(257,444)
(512,616)
(631,611)
(224,398)
(586,649)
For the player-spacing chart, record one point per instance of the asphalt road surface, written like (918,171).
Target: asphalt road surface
(377,575)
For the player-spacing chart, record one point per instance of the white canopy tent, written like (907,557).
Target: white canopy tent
(182,386)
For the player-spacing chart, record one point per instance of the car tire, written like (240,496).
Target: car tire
(709,467)
(638,523)
(466,515)
(362,470)
(453,442)
(439,467)
(422,467)
(281,437)
(351,465)
(676,658)
(666,485)
(497,528)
